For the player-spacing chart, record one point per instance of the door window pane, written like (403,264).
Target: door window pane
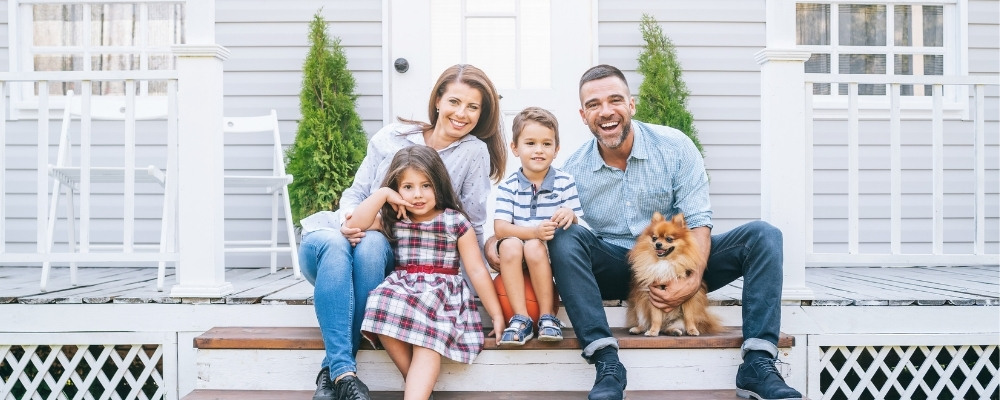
(490,45)
(536,45)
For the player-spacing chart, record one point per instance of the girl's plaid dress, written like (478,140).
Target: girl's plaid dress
(431,310)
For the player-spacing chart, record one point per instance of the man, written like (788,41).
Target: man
(629,170)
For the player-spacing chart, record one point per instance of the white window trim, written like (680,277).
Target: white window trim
(956,105)
(23,104)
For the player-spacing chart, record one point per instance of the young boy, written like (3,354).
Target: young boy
(531,204)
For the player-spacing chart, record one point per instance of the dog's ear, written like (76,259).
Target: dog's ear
(657,217)
(678,219)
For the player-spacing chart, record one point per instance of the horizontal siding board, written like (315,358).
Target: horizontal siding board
(297,10)
(735,182)
(730,108)
(289,83)
(719,58)
(712,132)
(984,12)
(988,61)
(680,11)
(287,107)
(251,58)
(295,34)
(732,157)
(686,33)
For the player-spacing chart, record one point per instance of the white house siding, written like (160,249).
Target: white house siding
(715,41)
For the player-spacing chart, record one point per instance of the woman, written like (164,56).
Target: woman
(344,264)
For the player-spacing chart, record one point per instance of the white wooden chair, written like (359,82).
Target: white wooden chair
(67,176)
(275,184)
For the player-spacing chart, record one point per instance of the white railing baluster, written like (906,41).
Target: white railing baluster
(129,231)
(937,169)
(86,143)
(979,247)
(809,159)
(852,168)
(895,173)
(3,165)
(42,165)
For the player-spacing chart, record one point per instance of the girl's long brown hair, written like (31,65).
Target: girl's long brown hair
(424,160)
(488,129)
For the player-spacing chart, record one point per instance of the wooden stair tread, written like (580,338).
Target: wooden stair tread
(308,338)
(307,395)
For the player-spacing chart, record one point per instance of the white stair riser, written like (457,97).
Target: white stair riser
(520,370)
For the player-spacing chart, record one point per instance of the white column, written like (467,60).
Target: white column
(783,152)
(201,267)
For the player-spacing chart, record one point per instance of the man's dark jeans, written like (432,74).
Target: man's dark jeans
(588,270)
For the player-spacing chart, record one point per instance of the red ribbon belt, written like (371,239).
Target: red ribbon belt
(427,269)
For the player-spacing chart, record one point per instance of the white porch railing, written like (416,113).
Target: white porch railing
(43,252)
(953,116)
(200,209)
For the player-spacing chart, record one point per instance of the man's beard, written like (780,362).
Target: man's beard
(621,138)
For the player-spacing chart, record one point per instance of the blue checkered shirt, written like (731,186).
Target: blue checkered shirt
(520,203)
(664,173)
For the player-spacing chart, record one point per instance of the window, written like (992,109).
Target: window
(887,38)
(94,36)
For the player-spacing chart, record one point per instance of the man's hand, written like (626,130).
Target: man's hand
(490,248)
(667,296)
(563,217)
(353,235)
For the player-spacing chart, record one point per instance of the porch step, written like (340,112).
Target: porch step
(288,358)
(302,338)
(307,395)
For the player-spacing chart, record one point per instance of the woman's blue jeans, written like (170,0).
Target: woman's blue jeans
(588,270)
(342,276)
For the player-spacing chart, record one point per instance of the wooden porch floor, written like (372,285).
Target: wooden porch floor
(840,286)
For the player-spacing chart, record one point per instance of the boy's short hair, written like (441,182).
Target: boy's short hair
(537,115)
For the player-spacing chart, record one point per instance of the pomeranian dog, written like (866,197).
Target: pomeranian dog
(666,251)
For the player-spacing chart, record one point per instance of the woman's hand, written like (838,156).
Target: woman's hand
(353,235)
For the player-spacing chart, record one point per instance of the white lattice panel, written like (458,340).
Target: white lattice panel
(905,370)
(111,369)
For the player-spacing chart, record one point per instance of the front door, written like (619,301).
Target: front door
(533,50)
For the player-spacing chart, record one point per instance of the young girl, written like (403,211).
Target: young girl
(424,309)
